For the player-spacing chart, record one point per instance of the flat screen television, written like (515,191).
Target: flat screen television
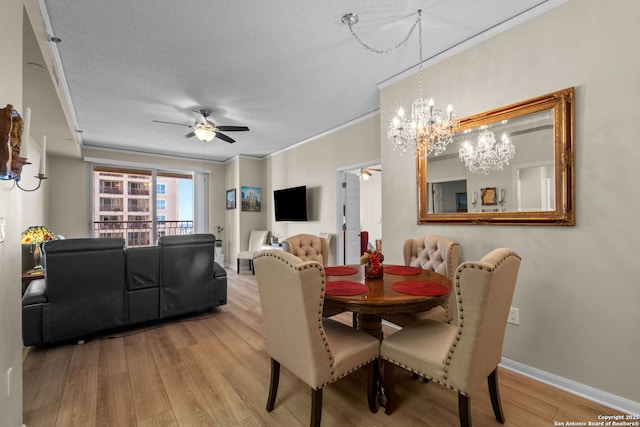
(290,204)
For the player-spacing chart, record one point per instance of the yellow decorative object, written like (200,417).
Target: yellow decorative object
(36,235)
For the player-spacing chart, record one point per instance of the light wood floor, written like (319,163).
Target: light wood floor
(213,370)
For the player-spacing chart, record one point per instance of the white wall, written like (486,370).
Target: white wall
(10,208)
(371,206)
(577,291)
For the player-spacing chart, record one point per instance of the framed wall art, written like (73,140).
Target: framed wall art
(231,199)
(488,196)
(251,198)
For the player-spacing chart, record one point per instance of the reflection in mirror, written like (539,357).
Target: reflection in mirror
(520,177)
(521,155)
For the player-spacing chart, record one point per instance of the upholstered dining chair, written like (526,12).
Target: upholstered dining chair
(317,350)
(257,238)
(308,247)
(461,356)
(436,253)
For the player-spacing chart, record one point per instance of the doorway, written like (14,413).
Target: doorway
(359,202)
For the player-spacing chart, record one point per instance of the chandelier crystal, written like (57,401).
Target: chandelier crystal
(487,155)
(427,130)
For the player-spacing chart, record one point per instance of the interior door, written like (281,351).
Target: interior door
(352,219)
(437,197)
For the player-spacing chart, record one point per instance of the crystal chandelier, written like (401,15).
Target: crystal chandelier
(427,130)
(487,155)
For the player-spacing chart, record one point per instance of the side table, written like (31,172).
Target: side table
(30,276)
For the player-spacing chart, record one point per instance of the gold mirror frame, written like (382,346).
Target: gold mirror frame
(564,214)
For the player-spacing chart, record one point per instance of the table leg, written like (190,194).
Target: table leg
(371,324)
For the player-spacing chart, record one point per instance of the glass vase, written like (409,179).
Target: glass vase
(371,272)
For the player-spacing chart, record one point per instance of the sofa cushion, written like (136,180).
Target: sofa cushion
(143,267)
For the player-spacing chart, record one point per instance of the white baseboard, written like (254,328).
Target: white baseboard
(590,393)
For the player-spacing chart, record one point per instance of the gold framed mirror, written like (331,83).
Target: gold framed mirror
(510,165)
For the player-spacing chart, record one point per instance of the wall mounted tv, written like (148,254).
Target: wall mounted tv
(290,204)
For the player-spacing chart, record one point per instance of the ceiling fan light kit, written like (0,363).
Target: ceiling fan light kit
(204,133)
(205,130)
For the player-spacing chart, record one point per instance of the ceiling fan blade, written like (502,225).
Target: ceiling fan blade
(232,128)
(200,118)
(190,134)
(224,137)
(171,123)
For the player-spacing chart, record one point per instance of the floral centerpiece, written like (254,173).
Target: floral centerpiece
(372,261)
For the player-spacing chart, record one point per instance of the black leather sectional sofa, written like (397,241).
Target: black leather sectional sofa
(94,285)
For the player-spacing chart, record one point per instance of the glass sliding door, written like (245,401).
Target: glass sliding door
(174,203)
(141,205)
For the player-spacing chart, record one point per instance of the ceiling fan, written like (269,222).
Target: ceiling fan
(365,173)
(205,129)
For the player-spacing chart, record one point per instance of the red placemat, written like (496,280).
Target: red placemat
(403,270)
(340,271)
(344,288)
(429,289)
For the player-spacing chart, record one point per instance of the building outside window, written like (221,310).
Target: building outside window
(131,212)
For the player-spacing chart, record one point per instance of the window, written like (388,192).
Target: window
(110,204)
(110,187)
(138,221)
(138,205)
(139,188)
(131,214)
(110,222)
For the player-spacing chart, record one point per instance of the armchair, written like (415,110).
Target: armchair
(435,253)
(308,247)
(317,350)
(461,357)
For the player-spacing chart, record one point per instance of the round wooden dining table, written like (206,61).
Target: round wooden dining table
(379,298)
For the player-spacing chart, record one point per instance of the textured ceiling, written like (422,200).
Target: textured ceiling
(289,70)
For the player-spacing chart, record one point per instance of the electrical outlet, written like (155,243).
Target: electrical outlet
(514,316)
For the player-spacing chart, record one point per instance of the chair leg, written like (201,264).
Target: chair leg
(388,382)
(464,410)
(494,392)
(373,374)
(273,387)
(238,261)
(355,320)
(253,270)
(316,407)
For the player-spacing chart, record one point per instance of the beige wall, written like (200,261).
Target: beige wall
(315,164)
(69,187)
(577,291)
(252,174)
(231,245)
(10,209)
